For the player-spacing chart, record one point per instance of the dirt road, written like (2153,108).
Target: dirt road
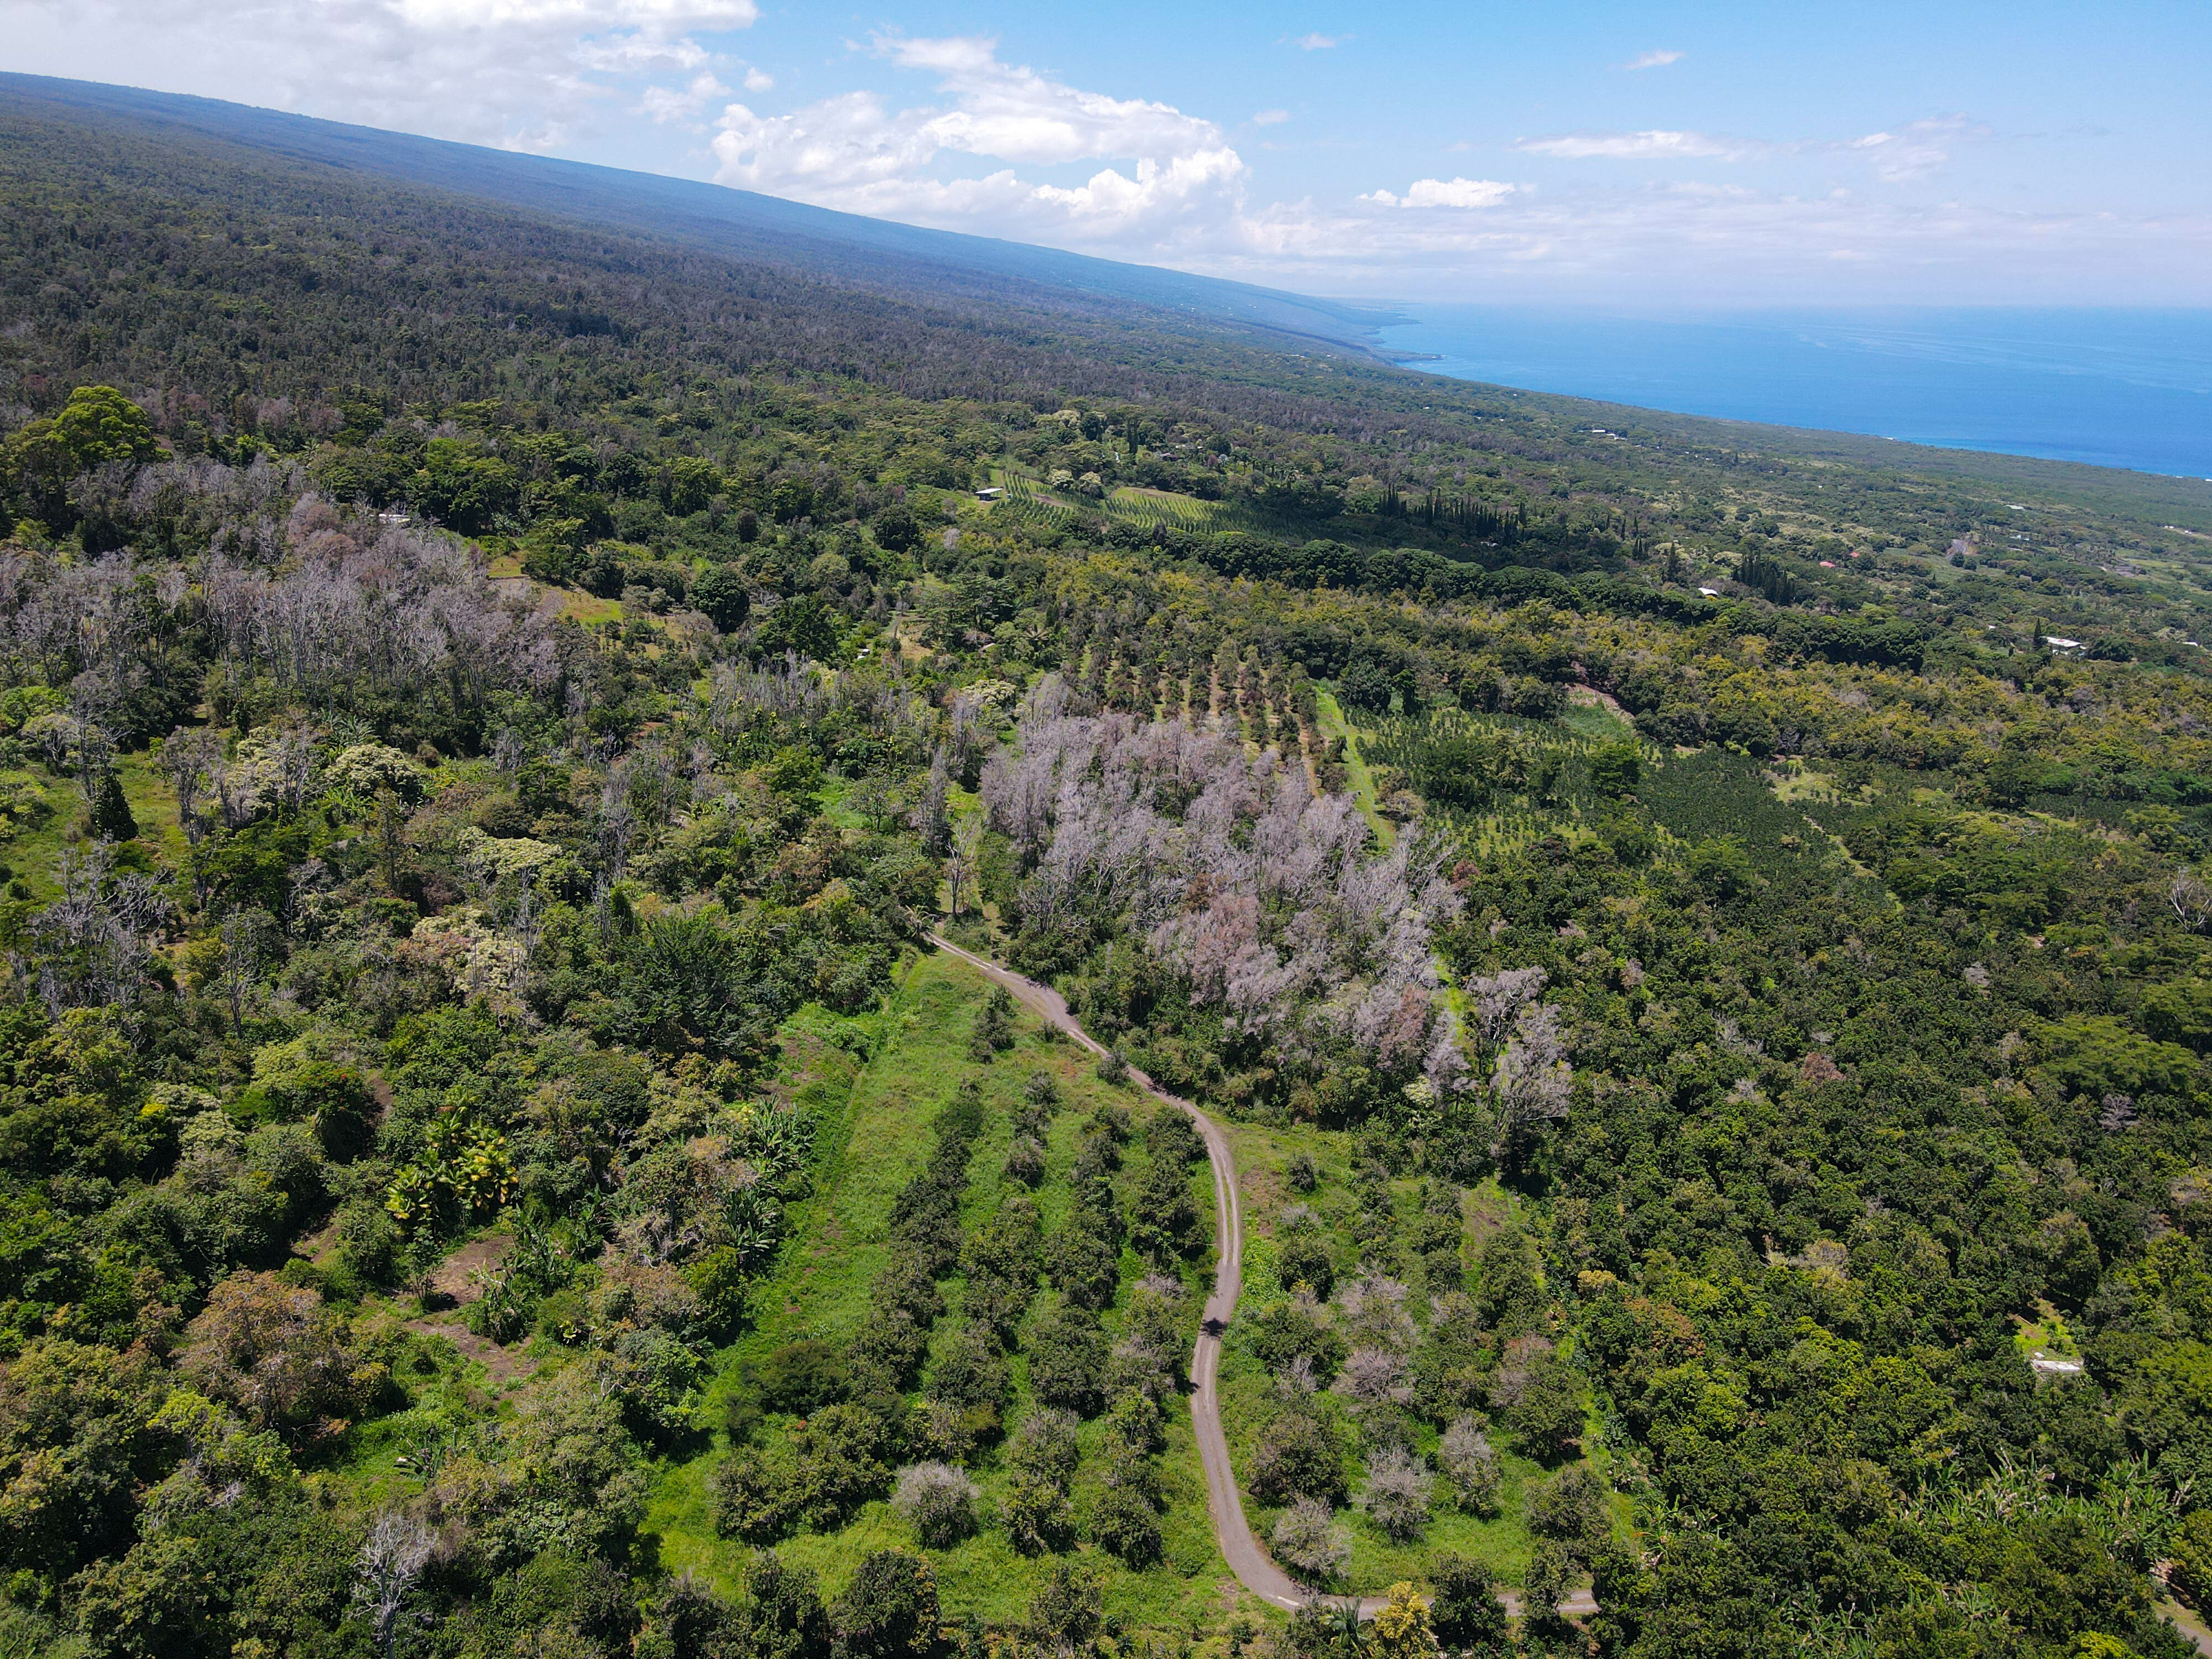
(1254,1569)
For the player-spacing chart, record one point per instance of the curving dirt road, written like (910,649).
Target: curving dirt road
(1254,1569)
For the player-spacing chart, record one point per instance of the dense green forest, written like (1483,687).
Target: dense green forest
(1700,937)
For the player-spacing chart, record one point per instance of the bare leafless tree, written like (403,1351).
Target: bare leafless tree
(398,1549)
(244,934)
(188,757)
(965,861)
(292,757)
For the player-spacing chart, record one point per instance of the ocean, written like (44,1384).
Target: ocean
(2112,388)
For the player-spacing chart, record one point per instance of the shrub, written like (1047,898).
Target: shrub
(1307,1541)
(1397,1493)
(1297,1457)
(1067,1360)
(994,1031)
(938,1502)
(1303,1258)
(1464,1454)
(1464,1611)
(801,1376)
(890,1611)
(1126,1526)
(368,1241)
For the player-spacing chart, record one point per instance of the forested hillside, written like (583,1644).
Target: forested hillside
(1700,938)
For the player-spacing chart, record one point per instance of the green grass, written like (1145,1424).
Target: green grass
(1331,721)
(1030,498)
(33,853)
(1593,720)
(840,1238)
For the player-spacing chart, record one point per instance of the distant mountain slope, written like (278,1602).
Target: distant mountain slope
(734,221)
(153,241)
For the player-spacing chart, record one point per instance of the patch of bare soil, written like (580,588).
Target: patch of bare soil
(456,1282)
(461,1275)
(1263,1191)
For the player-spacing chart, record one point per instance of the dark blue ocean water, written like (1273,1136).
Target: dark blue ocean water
(2113,388)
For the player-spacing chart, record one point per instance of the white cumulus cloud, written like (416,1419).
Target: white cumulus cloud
(1444,193)
(855,152)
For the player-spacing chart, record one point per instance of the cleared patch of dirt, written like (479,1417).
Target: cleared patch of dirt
(460,1274)
(1262,1194)
(315,1243)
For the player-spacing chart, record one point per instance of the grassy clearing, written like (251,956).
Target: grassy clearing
(33,853)
(1333,722)
(878,1138)
(1588,716)
(588,609)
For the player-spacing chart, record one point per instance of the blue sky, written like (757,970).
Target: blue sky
(1673,157)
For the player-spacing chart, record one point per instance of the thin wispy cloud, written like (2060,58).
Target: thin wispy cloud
(1651,146)
(1919,148)
(1318,42)
(1658,60)
(522,74)
(666,104)
(1897,154)
(1271,118)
